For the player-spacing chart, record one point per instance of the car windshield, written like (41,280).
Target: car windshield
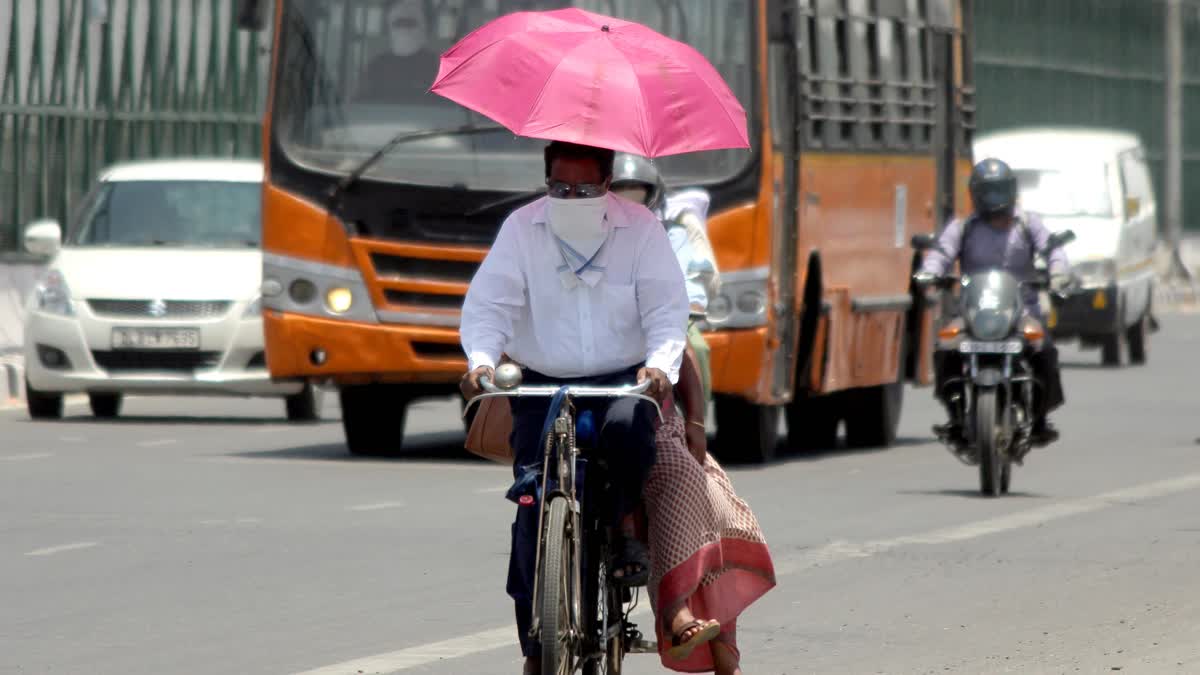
(171,213)
(354,73)
(1065,192)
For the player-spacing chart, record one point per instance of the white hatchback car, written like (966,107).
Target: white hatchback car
(154,291)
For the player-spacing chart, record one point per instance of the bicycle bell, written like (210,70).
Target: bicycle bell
(508,376)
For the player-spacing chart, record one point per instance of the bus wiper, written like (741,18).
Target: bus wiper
(350,179)
(505,200)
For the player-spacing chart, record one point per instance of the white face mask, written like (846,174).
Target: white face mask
(407,40)
(579,222)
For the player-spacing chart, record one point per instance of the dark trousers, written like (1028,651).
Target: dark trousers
(1047,397)
(626,439)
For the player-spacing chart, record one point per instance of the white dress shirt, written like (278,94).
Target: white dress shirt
(630,307)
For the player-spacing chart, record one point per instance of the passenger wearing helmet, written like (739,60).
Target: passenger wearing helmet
(999,235)
(638,179)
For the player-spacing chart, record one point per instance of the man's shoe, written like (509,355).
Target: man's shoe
(1043,433)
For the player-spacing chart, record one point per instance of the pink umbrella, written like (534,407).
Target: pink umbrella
(571,75)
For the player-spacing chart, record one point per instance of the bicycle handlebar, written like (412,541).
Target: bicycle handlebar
(637,391)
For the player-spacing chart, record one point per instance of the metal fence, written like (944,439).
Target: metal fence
(1089,62)
(86,83)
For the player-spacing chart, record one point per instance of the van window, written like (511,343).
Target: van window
(1081,191)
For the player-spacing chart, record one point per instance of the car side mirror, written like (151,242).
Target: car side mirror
(43,237)
(924,241)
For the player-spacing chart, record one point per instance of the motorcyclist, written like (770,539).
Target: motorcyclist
(998,235)
(638,179)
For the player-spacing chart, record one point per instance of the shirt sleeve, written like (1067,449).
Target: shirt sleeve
(494,300)
(940,258)
(1057,264)
(662,302)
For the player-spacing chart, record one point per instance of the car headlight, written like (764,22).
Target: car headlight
(53,296)
(741,300)
(991,324)
(1095,272)
(254,309)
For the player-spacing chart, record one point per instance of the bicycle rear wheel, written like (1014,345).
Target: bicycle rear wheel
(557,590)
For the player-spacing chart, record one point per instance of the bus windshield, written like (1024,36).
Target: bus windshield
(354,73)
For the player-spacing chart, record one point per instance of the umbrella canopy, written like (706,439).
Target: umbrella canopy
(572,75)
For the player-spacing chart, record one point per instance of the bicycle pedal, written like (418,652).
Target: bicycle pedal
(640,646)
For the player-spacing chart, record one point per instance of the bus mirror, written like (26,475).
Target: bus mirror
(252,14)
(781,20)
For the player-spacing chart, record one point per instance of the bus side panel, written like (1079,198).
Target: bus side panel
(858,212)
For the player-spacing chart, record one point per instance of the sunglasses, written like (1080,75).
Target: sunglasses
(562,190)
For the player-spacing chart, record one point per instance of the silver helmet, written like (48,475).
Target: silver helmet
(635,170)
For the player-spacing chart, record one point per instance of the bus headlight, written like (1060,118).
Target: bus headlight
(339,300)
(741,301)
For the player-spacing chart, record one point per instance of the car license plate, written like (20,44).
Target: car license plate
(156,338)
(976,347)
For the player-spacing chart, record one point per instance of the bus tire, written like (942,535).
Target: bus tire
(373,418)
(812,422)
(746,432)
(873,415)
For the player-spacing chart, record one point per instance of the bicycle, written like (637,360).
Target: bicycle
(580,618)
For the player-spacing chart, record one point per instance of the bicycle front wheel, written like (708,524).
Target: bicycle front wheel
(557,589)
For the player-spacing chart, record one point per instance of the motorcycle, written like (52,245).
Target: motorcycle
(994,336)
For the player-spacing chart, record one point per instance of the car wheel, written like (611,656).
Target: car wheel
(1135,337)
(304,406)
(1110,350)
(105,405)
(43,405)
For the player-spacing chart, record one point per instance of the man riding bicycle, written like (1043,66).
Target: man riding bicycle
(580,287)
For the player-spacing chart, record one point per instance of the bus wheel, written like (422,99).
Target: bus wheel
(812,422)
(746,432)
(873,415)
(373,418)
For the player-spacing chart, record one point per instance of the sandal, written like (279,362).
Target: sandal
(633,556)
(702,632)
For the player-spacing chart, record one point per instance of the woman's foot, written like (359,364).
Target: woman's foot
(533,665)
(688,633)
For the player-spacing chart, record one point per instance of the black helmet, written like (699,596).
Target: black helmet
(993,187)
(637,170)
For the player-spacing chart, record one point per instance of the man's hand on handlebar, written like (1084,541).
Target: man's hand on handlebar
(660,385)
(1060,284)
(925,279)
(469,384)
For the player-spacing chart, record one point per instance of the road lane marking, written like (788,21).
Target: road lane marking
(71,439)
(379,506)
(157,443)
(26,457)
(834,552)
(500,489)
(64,548)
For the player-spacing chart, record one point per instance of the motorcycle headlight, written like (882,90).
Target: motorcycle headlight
(53,296)
(991,324)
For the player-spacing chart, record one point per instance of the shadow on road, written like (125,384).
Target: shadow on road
(446,447)
(969,494)
(785,454)
(171,420)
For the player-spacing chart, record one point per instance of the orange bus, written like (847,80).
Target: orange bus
(860,115)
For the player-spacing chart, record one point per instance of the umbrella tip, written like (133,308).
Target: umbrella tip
(604,28)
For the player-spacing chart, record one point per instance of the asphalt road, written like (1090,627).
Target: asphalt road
(208,536)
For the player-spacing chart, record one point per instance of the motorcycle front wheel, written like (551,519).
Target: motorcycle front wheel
(987,439)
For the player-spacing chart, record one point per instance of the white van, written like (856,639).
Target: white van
(1097,183)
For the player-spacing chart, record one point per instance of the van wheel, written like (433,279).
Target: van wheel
(373,418)
(1110,350)
(874,416)
(304,406)
(43,405)
(1135,337)
(746,432)
(105,405)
